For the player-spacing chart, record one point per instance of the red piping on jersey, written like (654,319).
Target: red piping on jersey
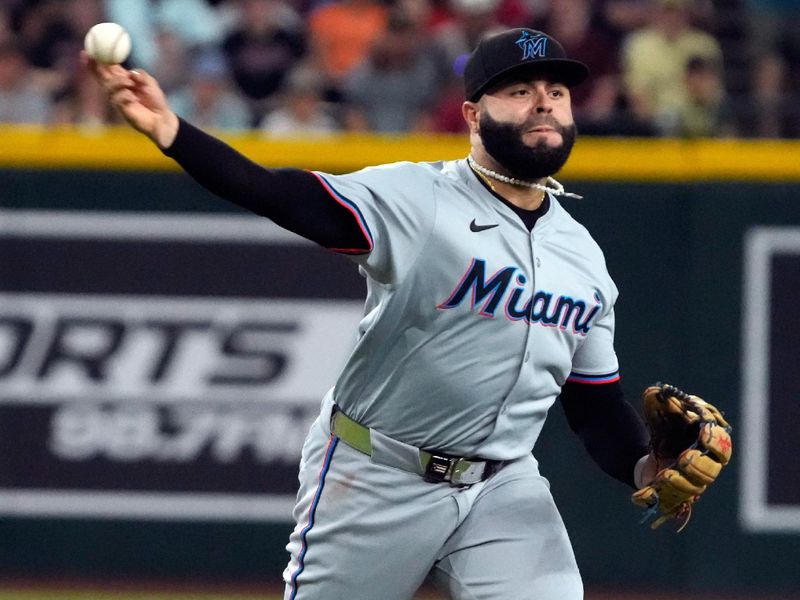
(351,206)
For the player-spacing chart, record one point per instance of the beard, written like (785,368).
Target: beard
(503,142)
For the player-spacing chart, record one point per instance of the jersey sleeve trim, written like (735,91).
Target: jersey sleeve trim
(594,379)
(351,206)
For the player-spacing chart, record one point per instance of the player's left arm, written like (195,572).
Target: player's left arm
(594,403)
(671,457)
(610,428)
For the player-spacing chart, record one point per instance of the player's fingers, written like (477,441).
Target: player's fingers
(94,68)
(123,98)
(120,80)
(101,72)
(142,80)
(142,77)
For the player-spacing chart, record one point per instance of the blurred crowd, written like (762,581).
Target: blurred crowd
(684,68)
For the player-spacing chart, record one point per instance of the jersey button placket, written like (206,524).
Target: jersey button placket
(535,264)
(526,355)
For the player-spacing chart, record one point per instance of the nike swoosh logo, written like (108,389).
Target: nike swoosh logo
(474,227)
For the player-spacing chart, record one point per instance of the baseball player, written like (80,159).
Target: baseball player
(486,302)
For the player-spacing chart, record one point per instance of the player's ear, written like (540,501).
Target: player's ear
(470,111)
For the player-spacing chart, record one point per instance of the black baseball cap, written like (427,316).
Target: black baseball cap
(502,54)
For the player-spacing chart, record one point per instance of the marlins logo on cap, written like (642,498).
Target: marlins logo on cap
(504,54)
(533,46)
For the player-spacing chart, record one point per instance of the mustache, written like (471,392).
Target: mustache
(545,121)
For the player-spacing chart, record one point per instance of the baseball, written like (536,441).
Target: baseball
(108,43)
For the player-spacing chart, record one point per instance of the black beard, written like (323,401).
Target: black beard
(503,142)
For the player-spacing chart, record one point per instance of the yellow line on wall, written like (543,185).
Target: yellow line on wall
(594,159)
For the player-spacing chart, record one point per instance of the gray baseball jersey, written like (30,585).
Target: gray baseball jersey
(469,335)
(472,324)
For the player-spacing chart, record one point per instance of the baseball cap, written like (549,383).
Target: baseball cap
(502,54)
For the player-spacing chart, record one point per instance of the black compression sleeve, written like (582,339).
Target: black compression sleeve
(610,428)
(292,198)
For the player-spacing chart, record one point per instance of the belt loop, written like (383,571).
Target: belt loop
(352,433)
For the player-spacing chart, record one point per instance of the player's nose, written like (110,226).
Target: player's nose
(542,102)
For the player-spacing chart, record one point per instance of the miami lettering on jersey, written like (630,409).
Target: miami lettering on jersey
(542,307)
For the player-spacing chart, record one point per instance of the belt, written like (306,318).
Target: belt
(435,467)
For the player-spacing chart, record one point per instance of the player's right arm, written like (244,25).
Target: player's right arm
(293,198)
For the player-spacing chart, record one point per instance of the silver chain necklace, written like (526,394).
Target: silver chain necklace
(554,186)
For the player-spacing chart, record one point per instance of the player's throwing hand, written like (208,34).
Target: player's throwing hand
(139,98)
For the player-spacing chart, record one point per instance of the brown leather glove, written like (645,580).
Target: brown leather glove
(691,439)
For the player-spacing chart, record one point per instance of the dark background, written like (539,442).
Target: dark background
(675,251)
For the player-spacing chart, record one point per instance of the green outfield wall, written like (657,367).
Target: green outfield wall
(112,263)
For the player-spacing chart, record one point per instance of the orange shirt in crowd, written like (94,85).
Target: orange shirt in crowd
(342,33)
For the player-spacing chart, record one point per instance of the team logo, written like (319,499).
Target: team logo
(506,292)
(533,46)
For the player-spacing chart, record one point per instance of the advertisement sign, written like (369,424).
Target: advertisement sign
(163,366)
(770,490)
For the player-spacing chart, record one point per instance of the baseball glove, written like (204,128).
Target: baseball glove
(690,441)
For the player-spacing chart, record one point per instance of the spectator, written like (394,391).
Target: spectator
(66,78)
(471,21)
(267,44)
(453,38)
(342,34)
(43,32)
(419,12)
(51,34)
(505,12)
(303,110)
(773,108)
(613,113)
(80,101)
(774,26)
(192,22)
(446,116)
(623,17)
(208,99)
(731,26)
(6,32)
(23,99)
(654,59)
(707,112)
(572,22)
(171,67)
(393,90)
